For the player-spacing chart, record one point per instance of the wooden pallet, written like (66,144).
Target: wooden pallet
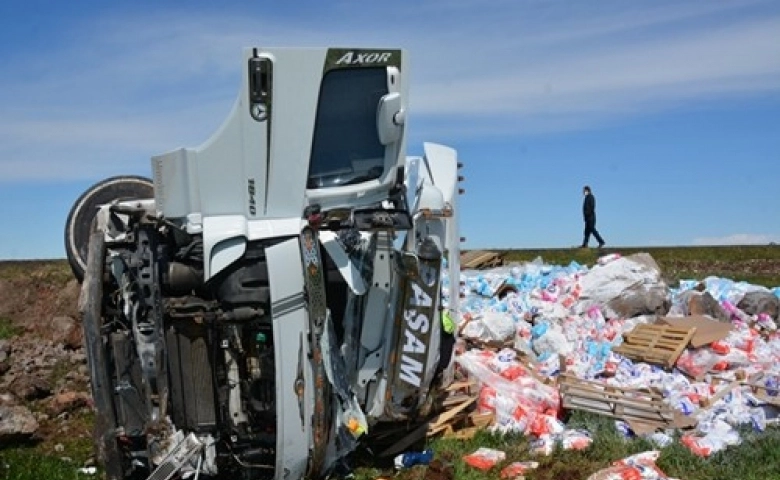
(459,420)
(659,344)
(477,259)
(643,406)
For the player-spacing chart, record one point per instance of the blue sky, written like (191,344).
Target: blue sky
(670,110)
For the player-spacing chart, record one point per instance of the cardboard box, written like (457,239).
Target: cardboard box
(707,329)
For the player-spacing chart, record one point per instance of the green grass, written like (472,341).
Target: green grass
(27,464)
(47,271)
(7,329)
(758,457)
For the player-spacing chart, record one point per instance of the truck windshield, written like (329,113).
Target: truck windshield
(346,148)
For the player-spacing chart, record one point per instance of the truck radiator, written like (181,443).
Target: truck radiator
(192,387)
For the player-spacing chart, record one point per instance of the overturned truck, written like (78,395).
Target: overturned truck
(271,298)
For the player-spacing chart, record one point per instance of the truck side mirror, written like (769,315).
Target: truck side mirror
(390,117)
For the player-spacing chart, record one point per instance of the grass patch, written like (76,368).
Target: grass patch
(8,330)
(758,457)
(28,464)
(77,442)
(57,272)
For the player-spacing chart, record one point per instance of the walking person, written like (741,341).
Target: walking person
(589,215)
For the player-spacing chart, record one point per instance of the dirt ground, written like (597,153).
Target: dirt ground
(43,367)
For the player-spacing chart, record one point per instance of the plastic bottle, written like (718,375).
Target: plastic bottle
(410,459)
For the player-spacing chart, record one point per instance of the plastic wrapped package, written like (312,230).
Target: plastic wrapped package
(525,389)
(697,362)
(714,433)
(548,366)
(511,415)
(607,282)
(543,446)
(490,327)
(548,338)
(548,310)
(516,403)
(708,444)
(733,359)
(518,469)
(641,466)
(486,402)
(485,458)
(575,439)
(659,439)
(546,425)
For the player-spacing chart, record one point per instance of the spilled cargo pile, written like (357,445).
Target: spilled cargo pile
(699,358)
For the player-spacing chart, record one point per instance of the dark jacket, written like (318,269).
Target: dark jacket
(589,208)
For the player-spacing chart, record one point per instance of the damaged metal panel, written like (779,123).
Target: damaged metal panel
(294,380)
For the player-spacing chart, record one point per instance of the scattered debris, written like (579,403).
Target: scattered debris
(615,340)
(411,459)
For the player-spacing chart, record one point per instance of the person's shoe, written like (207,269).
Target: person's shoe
(601,245)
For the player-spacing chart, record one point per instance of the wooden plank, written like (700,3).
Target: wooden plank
(659,344)
(450,414)
(456,400)
(467,384)
(481,419)
(645,406)
(707,402)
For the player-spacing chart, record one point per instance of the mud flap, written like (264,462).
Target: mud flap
(91,306)
(418,337)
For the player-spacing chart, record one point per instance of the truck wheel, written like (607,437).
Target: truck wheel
(79,224)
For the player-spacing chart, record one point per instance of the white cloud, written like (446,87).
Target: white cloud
(739,239)
(625,79)
(128,87)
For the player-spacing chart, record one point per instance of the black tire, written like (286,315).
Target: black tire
(78,227)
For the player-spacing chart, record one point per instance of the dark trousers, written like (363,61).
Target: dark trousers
(590,228)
